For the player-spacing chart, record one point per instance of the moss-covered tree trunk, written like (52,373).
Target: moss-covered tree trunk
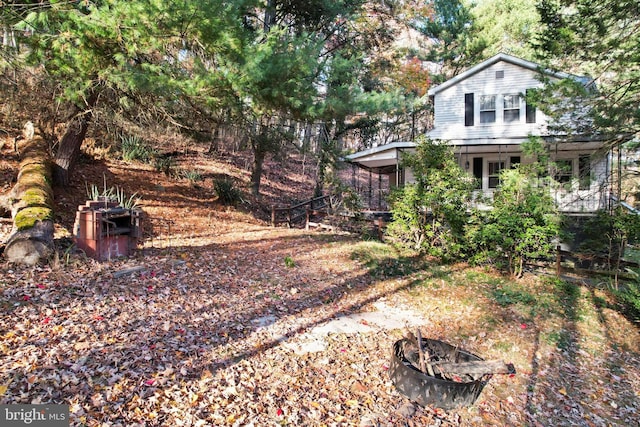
(31,203)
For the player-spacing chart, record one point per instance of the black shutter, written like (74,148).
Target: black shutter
(530,110)
(468,109)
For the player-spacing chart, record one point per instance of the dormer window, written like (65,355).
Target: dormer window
(511,108)
(487,109)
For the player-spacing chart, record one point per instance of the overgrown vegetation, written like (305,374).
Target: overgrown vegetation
(628,296)
(430,215)
(521,226)
(227,191)
(608,236)
(435,216)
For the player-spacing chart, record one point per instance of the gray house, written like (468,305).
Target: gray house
(484,115)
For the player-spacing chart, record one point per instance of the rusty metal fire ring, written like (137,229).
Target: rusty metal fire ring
(436,391)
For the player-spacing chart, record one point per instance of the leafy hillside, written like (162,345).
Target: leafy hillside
(220,319)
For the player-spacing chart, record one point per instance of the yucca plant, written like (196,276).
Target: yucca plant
(113,194)
(226,191)
(127,202)
(134,148)
(164,165)
(192,175)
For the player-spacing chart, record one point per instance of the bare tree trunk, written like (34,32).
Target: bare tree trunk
(31,203)
(256,172)
(68,151)
(215,141)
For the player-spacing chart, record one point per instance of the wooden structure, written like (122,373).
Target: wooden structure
(307,212)
(383,161)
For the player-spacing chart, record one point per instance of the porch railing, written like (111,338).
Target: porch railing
(318,206)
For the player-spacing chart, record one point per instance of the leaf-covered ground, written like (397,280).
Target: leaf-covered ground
(204,326)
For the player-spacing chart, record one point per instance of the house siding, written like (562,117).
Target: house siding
(449,107)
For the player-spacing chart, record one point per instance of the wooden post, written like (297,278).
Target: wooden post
(558,261)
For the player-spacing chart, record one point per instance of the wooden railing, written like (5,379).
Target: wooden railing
(318,206)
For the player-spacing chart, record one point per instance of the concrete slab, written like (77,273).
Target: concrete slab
(385,317)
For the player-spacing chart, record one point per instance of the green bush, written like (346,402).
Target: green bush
(521,226)
(628,296)
(226,191)
(430,215)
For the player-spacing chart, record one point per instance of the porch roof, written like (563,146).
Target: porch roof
(382,159)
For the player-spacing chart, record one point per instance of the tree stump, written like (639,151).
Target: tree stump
(31,203)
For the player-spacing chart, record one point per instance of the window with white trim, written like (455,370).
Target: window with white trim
(494,167)
(511,108)
(487,109)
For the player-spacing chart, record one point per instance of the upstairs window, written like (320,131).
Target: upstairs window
(487,109)
(511,108)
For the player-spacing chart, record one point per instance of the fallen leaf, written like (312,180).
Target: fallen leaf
(4,388)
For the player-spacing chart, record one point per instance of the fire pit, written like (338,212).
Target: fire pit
(440,374)
(105,230)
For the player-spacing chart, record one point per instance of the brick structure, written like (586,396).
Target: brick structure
(104,230)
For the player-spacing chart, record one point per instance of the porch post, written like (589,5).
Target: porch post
(397,170)
(379,191)
(370,189)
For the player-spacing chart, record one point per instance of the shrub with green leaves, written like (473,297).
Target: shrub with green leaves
(628,295)
(521,226)
(227,191)
(430,215)
(609,233)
